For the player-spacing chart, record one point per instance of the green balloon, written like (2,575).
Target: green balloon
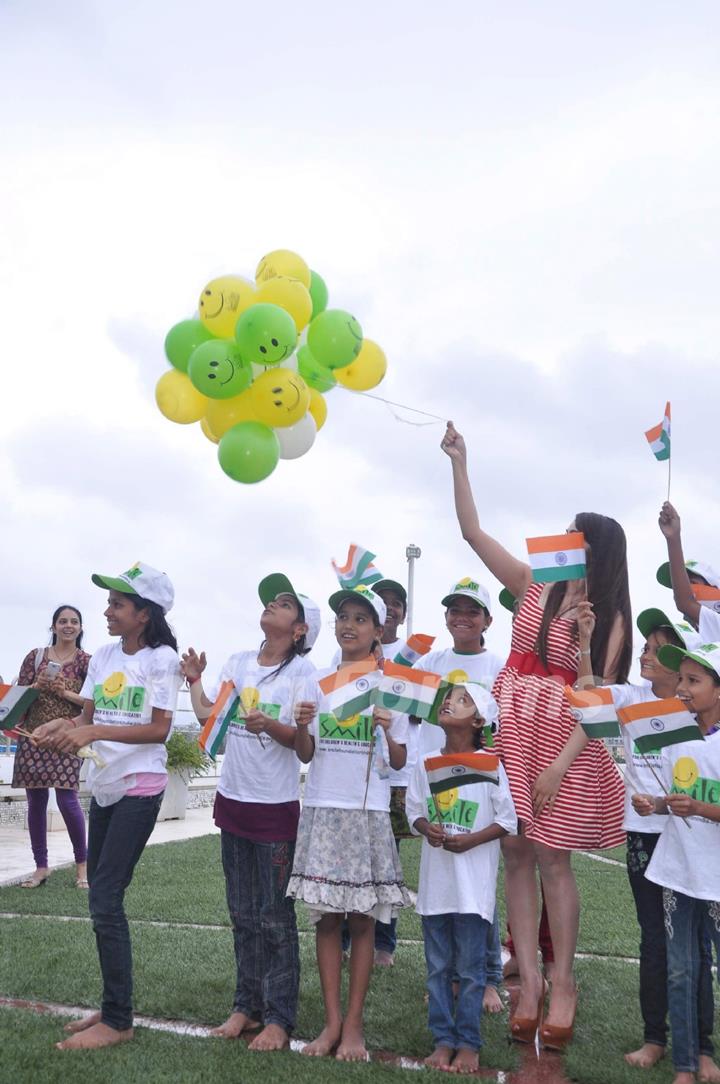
(249,452)
(182,339)
(217,370)
(313,373)
(266,334)
(335,338)
(318,294)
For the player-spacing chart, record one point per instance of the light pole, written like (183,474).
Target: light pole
(412,553)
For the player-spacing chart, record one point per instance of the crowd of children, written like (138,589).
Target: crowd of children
(504,767)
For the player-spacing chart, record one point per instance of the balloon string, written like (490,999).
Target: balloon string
(401,406)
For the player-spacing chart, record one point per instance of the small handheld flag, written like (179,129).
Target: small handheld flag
(659,723)
(707,596)
(460,770)
(412,692)
(14,702)
(350,690)
(594,710)
(659,440)
(557,557)
(413,649)
(215,728)
(358,569)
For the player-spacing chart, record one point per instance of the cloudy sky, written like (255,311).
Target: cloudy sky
(518,201)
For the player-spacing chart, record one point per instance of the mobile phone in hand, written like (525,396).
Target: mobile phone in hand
(53,669)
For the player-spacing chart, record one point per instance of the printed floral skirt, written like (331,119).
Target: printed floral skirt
(346,861)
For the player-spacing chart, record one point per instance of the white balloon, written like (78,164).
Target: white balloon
(297,439)
(288,363)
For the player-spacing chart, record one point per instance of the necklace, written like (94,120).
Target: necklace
(62,659)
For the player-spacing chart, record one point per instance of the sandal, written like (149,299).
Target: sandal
(34,882)
(81,882)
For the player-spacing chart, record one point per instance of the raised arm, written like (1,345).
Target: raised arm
(685,600)
(512,573)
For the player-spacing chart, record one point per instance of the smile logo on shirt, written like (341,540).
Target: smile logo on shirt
(457,677)
(346,723)
(114,685)
(685,773)
(249,699)
(445,800)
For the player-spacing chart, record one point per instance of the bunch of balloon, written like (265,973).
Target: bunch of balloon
(255,363)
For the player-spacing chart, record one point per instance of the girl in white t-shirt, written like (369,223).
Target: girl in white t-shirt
(346,861)
(257,808)
(686,861)
(129,697)
(462,826)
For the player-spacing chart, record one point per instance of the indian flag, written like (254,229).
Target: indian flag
(659,437)
(350,690)
(413,649)
(412,692)
(707,596)
(14,702)
(215,728)
(594,710)
(557,557)
(358,569)
(659,723)
(461,769)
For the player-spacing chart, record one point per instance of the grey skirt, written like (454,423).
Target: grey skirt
(346,861)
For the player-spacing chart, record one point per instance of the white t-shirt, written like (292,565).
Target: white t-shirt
(256,768)
(688,859)
(460,883)
(125,689)
(483,667)
(709,625)
(638,775)
(337,773)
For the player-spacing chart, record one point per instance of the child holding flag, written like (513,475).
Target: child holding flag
(685,862)
(257,807)
(568,794)
(346,861)
(696,586)
(129,697)
(459,800)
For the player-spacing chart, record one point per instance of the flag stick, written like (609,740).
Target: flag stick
(669,473)
(371,753)
(662,785)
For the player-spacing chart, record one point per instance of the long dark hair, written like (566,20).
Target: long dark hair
(65,606)
(608,590)
(297,647)
(157,632)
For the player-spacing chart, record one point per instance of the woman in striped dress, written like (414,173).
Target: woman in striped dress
(567,792)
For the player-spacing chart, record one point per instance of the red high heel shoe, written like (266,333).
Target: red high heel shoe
(523,1029)
(554,1037)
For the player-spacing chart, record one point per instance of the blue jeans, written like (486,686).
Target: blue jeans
(264,928)
(117,835)
(690,993)
(455,944)
(493,963)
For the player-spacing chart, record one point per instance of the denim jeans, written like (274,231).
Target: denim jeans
(653,956)
(493,964)
(117,835)
(455,944)
(690,992)
(264,928)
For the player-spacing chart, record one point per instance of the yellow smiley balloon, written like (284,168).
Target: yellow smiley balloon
(222,301)
(178,400)
(223,414)
(318,408)
(283,262)
(366,370)
(290,295)
(279,397)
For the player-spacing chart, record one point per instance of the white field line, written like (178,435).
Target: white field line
(601,858)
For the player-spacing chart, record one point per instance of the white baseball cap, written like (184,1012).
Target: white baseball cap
(708,655)
(700,568)
(650,620)
(484,701)
(353,594)
(469,588)
(277,583)
(143,581)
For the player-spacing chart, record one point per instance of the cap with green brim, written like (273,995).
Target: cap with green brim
(354,595)
(277,583)
(469,588)
(391,585)
(507,599)
(143,581)
(650,620)
(700,568)
(707,655)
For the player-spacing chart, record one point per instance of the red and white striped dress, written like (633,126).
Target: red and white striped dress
(535,724)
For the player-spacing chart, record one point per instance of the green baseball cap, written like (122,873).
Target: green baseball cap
(277,583)
(507,599)
(391,585)
(707,655)
(700,568)
(650,620)
(143,581)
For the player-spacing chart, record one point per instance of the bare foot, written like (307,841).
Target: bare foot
(352,1045)
(383,958)
(708,1070)
(440,1058)
(466,1061)
(684,1078)
(510,968)
(325,1043)
(86,1022)
(235,1025)
(492,1002)
(272,1037)
(648,1055)
(95,1037)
